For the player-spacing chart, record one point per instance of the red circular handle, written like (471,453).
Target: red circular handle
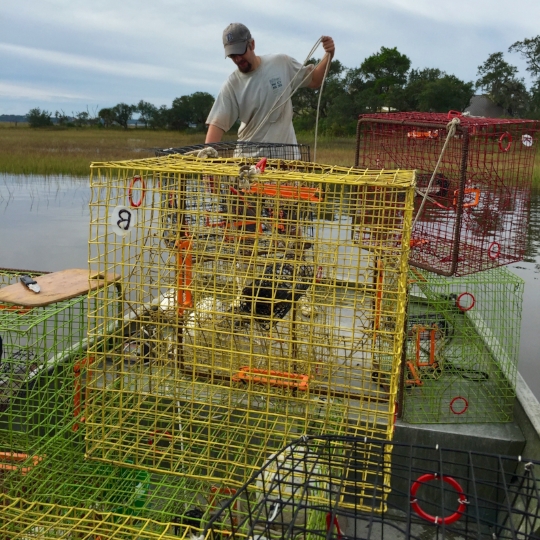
(166,434)
(462,295)
(453,114)
(436,519)
(134,180)
(508,136)
(494,250)
(465,405)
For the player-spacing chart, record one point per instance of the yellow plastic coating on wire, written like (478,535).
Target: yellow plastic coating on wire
(254,310)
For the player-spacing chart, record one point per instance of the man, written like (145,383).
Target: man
(259,91)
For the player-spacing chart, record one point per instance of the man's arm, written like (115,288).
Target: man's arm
(318,73)
(214,134)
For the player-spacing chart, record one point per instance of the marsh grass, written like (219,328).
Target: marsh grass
(70,151)
(24,150)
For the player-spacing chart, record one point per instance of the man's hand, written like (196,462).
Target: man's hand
(317,75)
(328,45)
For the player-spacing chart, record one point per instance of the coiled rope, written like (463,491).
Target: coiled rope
(277,104)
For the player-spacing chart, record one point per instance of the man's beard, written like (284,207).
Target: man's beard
(245,67)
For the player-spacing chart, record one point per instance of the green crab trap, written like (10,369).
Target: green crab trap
(48,488)
(42,338)
(473,184)
(332,487)
(462,347)
(49,493)
(244,149)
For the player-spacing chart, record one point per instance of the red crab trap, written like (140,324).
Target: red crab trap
(349,487)
(473,184)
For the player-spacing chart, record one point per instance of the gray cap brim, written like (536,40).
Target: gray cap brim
(235,48)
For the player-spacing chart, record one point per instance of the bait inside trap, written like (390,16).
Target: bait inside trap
(250,313)
(471,208)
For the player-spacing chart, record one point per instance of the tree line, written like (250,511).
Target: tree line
(384,81)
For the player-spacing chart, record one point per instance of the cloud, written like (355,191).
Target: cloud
(130,50)
(17,91)
(111,67)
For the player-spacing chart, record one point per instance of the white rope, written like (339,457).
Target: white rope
(319,106)
(451,128)
(277,104)
(203,153)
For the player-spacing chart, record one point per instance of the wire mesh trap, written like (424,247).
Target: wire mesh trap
(244,149)
(62,493)
(476,202)
(47,486)
(249,315)
(350,487)
(38,348)
(462,347)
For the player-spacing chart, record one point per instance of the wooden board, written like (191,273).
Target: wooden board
(55,287)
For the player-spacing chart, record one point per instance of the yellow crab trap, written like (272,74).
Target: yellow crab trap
(332,487)
(250,313)
(462,347)
(62,492)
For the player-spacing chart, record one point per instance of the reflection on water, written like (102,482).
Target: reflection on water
(529,270)
(44,224)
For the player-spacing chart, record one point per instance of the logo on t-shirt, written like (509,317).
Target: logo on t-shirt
(276,83)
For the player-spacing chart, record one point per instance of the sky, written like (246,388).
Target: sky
(78,55)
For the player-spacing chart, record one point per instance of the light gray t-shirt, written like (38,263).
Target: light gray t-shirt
(250,96)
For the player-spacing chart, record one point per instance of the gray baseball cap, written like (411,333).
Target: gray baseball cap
(235,39)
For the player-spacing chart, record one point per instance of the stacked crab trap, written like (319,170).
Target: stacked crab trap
(474,179)
(238,303)
(252,311)
(244,149)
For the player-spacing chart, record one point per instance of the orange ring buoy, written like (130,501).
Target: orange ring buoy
(508,136)
(462,499)
(134,180)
